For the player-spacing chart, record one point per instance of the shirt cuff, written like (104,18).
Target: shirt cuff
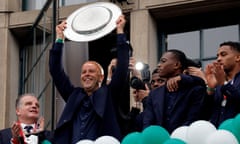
(58,40)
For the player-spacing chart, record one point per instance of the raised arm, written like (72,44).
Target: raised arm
(120,74)
(59,77)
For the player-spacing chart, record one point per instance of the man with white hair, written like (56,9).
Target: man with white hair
(29,127)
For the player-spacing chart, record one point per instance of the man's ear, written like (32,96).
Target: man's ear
(101,78)
(17,112)
(178,65)
(238,58)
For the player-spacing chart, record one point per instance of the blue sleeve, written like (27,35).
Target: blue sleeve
(191,80)
(120,75)
(148,113)
(60,79)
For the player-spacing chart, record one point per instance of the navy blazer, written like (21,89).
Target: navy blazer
(6,135)
(104,99)
(232,91)
(185,110)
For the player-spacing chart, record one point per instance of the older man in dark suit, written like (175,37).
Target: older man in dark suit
(28,129)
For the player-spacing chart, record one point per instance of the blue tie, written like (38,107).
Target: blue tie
(28,128)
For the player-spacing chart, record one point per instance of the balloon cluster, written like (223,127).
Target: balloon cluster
(232,125)
(204,132)
(100,140)
(151,135)
(199,132)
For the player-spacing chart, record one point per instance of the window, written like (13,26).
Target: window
(72,2)
(203,44)
(188,42)
(38,4)
(33,4)
(215,36)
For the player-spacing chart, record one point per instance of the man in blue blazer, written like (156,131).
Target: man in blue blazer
(172,108)
(90,110)
(223,79)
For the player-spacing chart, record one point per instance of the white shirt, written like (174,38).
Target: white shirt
(32,139)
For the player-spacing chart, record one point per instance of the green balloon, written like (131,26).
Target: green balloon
(226,125)
(236,122)
(45,142)
(154,135)
(229,126)
(132,138)
(174,141)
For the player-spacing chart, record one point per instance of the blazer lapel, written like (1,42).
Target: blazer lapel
(159,103)
(71,106)
(180,94)
(99,99)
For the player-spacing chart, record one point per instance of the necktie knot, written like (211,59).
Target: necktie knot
(28,128)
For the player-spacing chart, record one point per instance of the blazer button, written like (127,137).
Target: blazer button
(64,121)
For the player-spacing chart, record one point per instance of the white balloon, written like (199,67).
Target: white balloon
(85,141)
(106,140)
(198,132)
(180,133)
(221,137)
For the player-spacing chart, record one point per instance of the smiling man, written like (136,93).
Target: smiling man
(92,76)
(90,110)
(28,122)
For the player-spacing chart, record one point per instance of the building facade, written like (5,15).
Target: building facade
(196,27)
